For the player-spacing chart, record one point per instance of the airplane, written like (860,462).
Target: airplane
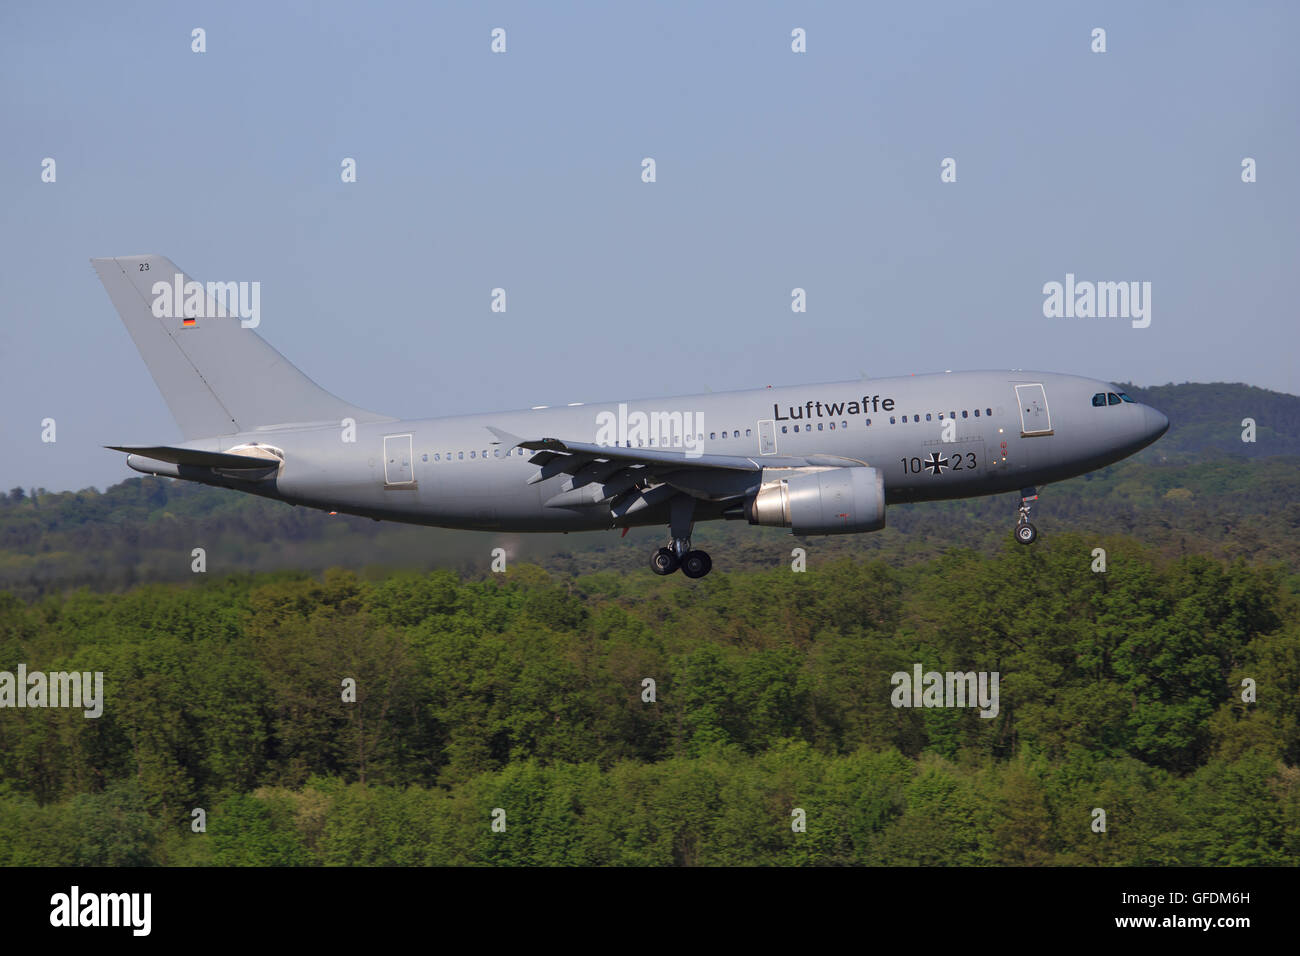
(817,459)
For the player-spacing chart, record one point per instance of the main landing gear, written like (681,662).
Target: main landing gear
(1026,533)
(694,564)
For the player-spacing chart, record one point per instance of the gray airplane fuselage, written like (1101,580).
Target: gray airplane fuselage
(931,436)
(817,459)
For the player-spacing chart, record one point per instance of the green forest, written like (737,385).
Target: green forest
(505,718)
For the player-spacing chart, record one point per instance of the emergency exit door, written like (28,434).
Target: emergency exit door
(1035,419)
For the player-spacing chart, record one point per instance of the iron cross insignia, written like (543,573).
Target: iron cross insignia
(936,464)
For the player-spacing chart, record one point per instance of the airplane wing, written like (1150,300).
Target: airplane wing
(631,479)
(679,458)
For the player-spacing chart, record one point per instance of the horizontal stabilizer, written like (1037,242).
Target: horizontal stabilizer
(192,456)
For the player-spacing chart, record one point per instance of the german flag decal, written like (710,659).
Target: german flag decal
(189,321)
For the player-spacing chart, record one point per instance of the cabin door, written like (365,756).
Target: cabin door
(1035,419)
(399,471)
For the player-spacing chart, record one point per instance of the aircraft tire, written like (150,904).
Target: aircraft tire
(664,561)
(696,564)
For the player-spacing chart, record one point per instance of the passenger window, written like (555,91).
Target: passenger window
(460,455)
(736,433)
(713,436)
(747,433)
(988,411)
(1112,398)
(796,427)
(868,422)
(844,424)
(784,430)
(927,416)
(916,418)
(977,413)
(891,419)
(963,413)
(819,426)
(1099,400)
(832,426)
(952,414)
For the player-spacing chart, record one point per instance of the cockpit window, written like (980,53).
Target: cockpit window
(1099,400)
(1112,398)
(1127,399)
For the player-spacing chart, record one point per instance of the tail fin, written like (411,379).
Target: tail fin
(217,377)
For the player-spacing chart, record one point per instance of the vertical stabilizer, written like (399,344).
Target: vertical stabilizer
(217,377)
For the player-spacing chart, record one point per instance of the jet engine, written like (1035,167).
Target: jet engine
(827,501)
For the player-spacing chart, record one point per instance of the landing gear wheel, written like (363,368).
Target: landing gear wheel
(696,564)
(664,561)
(1026,533)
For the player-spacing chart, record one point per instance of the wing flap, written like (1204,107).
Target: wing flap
(678,458)
(633,479)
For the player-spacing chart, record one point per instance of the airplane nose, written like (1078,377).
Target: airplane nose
(1156,423)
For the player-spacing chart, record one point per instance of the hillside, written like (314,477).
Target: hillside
(1205,419)
(770,691)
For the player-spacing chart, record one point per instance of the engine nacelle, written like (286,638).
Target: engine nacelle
(830,501)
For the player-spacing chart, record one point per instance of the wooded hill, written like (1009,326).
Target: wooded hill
(774,693)
(1164,690)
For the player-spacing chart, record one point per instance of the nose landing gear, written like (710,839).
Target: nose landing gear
(1026,533)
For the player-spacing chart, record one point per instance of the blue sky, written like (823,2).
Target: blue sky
(522,170)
